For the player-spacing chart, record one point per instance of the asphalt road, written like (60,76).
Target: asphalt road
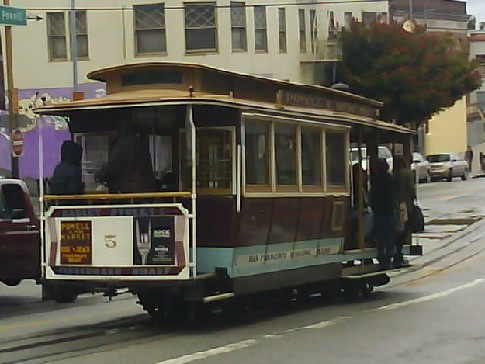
(429,313)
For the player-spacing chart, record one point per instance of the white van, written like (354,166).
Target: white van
(383,152)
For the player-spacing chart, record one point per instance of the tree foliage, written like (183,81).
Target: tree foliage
(472,23)
(415,74)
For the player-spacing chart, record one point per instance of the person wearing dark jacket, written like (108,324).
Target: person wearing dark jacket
(129,167)
(405,193)
(382,202)
(67,179)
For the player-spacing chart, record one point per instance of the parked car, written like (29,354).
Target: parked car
(446,166)
(421,167)
(383,152)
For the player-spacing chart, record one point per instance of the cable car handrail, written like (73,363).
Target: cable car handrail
(116,196)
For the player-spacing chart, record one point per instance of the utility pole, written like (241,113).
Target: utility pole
(73,39)
(12,102)
(411,15)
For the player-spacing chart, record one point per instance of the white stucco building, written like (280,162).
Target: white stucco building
(254,36)
(293,40)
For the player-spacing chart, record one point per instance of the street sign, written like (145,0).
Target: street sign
(12,16)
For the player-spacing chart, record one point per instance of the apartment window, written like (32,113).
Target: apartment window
(200,27)
(331,24)
(282,29)
(238,26)
(56,34)
(381,18)
(150,34)
(313,30)
(302,26)
(368,17)
(349,18)
(260,35)
(82,34)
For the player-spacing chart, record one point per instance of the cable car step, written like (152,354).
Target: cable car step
(218,297)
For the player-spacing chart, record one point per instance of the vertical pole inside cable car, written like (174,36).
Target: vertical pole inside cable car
(190,133)
(41,191)
(360,195)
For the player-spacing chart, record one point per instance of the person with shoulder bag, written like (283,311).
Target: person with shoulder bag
(382,204)
(405,192)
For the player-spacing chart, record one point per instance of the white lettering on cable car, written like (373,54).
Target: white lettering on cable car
(287,255)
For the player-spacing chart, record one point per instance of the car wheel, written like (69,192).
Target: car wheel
(450,175)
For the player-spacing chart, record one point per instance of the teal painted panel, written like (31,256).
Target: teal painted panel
(254,260)
(246,261)
(210,258)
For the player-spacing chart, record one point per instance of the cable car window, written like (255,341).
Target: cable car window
(4,214)
(15,206)
(335,158)
(161,153)
(214,159)
(285,155)
(151,78)
(311,157)
(257,153)
(95,154)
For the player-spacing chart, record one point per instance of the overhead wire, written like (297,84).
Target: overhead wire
(237,5)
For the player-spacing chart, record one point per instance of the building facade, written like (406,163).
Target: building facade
(294,40)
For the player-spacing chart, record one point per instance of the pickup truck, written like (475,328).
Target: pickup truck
(20,243)
(19,234)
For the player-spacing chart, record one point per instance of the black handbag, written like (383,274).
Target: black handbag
(416,219)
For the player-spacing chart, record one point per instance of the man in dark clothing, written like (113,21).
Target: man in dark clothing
(405,193)
(469,157)
(129,167)
(67,179)
(382,202)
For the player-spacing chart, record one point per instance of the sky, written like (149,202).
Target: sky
(476,8)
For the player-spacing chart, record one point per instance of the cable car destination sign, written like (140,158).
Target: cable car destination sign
(12,16)
(290,98)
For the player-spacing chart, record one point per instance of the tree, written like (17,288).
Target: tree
(415,74)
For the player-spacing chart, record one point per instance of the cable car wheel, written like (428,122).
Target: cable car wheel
(357,289)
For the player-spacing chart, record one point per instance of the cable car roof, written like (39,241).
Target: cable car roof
(159,84)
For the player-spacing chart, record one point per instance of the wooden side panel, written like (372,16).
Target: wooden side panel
(285,220)
(310,218)
(335,216)
(268,220)
(216,217)
(255,221)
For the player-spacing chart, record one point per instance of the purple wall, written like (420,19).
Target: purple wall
(54,130)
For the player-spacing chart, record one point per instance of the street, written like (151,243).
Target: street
(429,313)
